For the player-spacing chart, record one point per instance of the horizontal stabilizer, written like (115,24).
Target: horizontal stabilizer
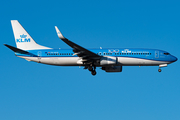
(17,50)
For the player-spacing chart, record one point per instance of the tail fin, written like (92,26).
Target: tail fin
(23,40)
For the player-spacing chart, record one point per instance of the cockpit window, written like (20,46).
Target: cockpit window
(166,53)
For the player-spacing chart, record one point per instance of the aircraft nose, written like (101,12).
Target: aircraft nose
(174,59)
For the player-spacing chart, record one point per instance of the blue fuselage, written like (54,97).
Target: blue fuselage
(124,56)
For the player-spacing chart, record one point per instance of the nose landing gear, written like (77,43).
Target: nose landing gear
(160,66)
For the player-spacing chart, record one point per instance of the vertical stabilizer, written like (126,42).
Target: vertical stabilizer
(23,40)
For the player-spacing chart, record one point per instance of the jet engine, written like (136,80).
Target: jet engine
(108,61)
(112,69)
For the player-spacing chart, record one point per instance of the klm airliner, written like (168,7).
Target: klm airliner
(110,60)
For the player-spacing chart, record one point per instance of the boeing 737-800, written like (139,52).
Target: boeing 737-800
(110,60)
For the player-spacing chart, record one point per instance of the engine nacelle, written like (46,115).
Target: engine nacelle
(108,61)
(113,69)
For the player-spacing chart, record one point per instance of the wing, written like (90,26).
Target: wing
(87,56)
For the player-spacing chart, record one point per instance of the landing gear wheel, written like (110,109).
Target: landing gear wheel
(93,72)
(90,68)
(159,70)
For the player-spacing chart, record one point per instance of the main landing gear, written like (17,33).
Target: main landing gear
(93,72)
(92,69)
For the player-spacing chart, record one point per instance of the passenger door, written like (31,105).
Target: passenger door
(156,54)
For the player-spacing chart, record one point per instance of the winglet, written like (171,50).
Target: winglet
(59,33)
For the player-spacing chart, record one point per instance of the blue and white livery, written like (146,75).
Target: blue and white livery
(110,60)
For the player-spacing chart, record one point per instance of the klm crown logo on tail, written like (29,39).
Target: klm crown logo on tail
(23,39)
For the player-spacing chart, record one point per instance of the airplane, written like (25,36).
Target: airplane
(110,60)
